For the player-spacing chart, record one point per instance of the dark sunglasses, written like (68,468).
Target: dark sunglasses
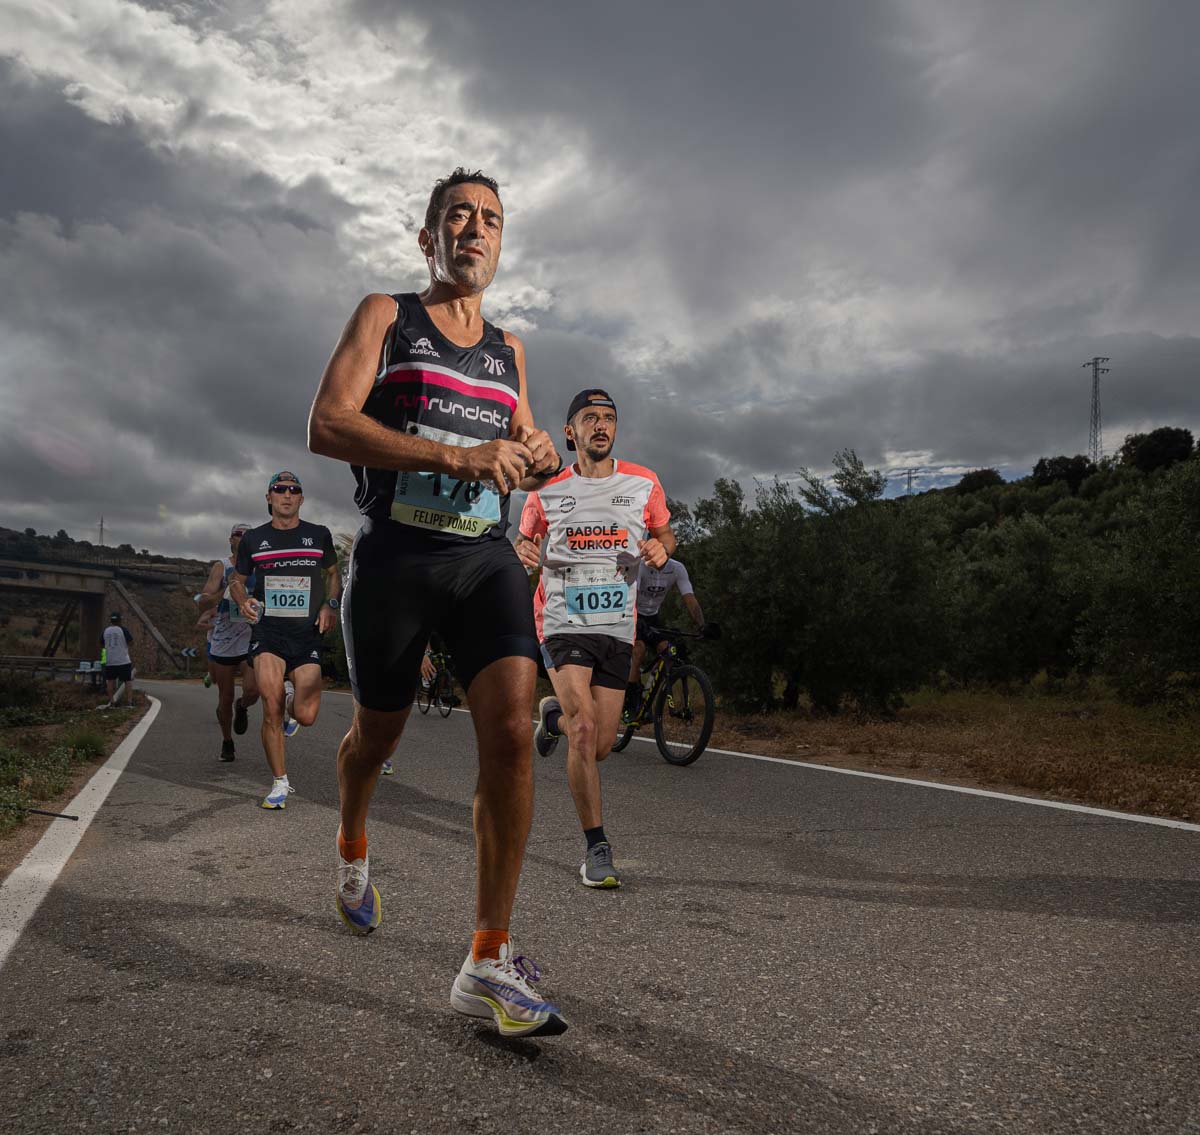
(295,490)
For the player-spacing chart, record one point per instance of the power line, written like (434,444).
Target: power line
(1095,432)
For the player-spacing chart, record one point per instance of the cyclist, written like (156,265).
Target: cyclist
(228,644)
(599,519)
(654,585)
(427,401)
(297,588)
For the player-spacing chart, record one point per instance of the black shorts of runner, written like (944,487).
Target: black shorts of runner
(228,659)
(400,589)
(610,658)
(303,649)
(649,630)
(119,673)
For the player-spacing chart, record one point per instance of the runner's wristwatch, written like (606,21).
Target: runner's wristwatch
(334,602)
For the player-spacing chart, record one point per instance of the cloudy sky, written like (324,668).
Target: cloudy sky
(772,230)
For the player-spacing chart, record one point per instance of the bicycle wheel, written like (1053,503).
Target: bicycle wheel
(424,695)
(444,695)
(624,738)
(684,714)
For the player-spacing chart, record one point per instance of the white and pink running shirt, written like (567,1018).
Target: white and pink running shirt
(592,526)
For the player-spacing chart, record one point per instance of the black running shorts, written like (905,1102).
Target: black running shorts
(295,649)
(119,673)
(400,590)
(609,658)
(228,659)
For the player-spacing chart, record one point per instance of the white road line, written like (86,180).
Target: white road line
(23,891)
(1158,821)
(1060,805)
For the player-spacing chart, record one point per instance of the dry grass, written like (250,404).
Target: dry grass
(50,739)
(1089,750)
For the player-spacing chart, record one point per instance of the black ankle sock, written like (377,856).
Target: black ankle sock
(594,836)
(553,719)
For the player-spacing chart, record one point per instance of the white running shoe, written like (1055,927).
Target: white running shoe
(500,988)
(277,797)
(358,902)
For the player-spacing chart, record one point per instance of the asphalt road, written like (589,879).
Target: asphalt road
(792,951)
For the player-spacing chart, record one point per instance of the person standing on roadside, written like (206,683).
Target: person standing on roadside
(118,666)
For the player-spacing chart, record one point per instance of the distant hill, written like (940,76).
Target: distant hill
(31,545)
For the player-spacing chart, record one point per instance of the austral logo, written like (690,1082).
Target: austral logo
(623,502)
(596,537)
(423,347)
(264,544)
(567,504)
(493,366)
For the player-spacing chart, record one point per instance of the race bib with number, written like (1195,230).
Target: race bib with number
(287,596)
(594,598)
(445,504)
(232,611)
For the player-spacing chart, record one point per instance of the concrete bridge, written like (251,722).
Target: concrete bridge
(86,591)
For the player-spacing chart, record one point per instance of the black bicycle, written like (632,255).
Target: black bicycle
(439,690)
(678,697)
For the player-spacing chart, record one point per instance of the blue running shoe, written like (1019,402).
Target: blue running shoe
(388,768)
(277,797)
(290,727)
(500,988)
(358,902)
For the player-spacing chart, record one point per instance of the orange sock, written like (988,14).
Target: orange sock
(487,943)
(351,849)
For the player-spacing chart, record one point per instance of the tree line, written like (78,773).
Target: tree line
(828,591)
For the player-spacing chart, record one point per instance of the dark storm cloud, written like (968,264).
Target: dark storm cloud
(772,231)
(166,320)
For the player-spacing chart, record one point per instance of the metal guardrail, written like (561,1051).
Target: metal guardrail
(51,667)
(12,662)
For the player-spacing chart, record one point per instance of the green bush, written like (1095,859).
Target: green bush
(85,743)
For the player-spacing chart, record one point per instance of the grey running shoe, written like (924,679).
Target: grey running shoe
(597,869)
(543,740)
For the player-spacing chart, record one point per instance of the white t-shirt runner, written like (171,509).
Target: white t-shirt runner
(654,585)
(592,526)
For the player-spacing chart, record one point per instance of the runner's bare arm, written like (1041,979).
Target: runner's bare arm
(237,592)
(327,617)
(658,547)
(546,461)
(529,550)
(338,428)
(213,591)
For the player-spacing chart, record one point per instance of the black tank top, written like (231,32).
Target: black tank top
(432,388)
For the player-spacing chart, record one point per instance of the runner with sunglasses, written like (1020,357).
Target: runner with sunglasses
(296,588)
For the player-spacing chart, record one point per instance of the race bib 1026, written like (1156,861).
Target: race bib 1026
(287,596)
